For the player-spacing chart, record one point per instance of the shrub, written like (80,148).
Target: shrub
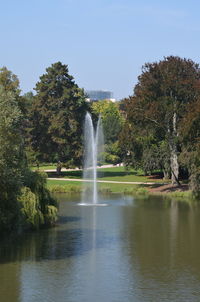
(31,215)
(45,204)
(50,215)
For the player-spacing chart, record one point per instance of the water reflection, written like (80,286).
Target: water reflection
(163,248)
(54,245)
(132,250)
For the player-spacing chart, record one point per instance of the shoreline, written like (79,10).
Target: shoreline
(70,186)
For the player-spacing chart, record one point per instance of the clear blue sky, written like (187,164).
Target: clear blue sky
(104,42)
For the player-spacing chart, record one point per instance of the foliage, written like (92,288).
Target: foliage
(38,208)
(36,181)
(11,158)
(50,215)
(56,120)
(24,198)
(190,133)
(9,81)
(113,153)
(111,119)
(164,91)
(65,189)
(31,214)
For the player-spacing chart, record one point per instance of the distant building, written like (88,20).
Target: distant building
(98,95)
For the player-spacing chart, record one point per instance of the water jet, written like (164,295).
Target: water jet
(93,149)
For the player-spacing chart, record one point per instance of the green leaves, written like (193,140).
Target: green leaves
(24,199)
(111,118)
(162,96)
(57,116)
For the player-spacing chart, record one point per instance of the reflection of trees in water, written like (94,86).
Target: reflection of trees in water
(53,244)
(163,238)
(10,282)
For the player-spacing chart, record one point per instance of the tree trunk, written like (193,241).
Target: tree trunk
(166,173)
(58,168)
(174,164)
(174,152)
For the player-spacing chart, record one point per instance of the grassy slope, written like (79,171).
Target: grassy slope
(114,174)
(73,186)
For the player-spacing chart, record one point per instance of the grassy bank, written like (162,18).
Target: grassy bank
(112,174)
(117,174)
(61,186)
(70,187)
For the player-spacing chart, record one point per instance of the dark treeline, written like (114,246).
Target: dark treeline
(157,128)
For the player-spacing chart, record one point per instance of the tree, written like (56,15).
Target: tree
(160,98)
(11,159)
(24,199)
(9,81)
(190,133)
(112,119)
(57,116)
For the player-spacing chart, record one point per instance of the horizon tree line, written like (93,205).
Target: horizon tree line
(156,128)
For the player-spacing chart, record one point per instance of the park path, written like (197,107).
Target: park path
(77,169)
(105,181)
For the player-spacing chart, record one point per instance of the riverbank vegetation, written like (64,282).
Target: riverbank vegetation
(25,202)
(143,190)
(70,187)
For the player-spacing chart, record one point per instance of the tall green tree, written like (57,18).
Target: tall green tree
(57,116)
(163,92)
(24,199)
(11,159)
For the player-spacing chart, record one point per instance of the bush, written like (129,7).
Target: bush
(65,189)
(50,215)
(38,206)
(31,215)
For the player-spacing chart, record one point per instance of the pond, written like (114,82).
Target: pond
(130,250)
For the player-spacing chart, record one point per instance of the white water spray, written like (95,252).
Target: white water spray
(93,148)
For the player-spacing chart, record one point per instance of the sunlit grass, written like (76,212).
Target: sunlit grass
(62,186)
(42,168)
(111,174)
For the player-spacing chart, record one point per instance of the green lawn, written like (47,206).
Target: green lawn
(120,174)
(73,186)
(113,174)
(50,167)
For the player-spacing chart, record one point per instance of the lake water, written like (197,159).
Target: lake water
(129,251)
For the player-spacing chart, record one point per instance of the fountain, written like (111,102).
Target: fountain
(93,148)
